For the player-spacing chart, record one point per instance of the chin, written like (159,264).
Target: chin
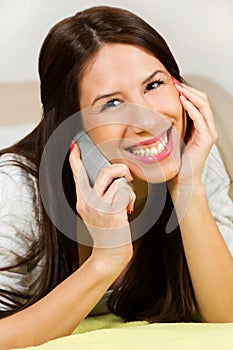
(157,173)
(156,178)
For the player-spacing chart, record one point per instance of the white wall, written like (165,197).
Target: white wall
(199,32)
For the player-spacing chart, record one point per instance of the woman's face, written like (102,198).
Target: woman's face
(131,110)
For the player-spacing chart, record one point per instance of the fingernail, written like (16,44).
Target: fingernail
(131,177)
(72,146)
(129,211)
(182,95)
(176,81)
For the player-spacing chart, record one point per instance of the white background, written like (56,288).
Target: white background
(199,33)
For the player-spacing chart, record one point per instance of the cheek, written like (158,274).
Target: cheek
(167,102)
(174,106)
(105,133)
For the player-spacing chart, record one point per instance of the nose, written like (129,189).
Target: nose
(142,118)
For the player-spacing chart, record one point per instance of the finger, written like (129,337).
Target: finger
(199,122)
(202,104)
(115,200)
(119,194)
(124,196)
(108,174)
(185,86)
(80,176)
(130,207)
(109,194)
(197,98)
(195,91)
(203,107)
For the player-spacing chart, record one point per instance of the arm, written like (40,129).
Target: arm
(217,185)
(209,260)
(60,311)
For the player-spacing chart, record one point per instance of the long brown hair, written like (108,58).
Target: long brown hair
(157,286)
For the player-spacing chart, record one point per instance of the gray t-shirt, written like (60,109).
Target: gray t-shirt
(18,225)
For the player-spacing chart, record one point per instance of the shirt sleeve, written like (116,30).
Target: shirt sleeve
(217,184)
(18,231)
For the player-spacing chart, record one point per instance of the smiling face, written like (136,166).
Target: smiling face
(131,110)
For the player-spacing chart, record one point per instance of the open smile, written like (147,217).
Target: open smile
(153,150)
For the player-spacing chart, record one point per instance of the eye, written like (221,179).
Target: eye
(110,104)
(154,85)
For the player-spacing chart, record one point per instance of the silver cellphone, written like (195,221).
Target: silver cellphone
(92,158)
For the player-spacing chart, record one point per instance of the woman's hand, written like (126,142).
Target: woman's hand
(104,207)
(203,134)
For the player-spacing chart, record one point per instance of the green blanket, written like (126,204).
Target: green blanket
(110,332)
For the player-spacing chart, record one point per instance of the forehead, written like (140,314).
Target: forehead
(119,56)
(110,50)
(114,64)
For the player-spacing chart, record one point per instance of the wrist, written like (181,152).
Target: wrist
(111,261)
(186,196)
(187,188)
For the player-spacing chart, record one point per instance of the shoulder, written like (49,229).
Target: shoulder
(13,171)
(19,197)
(218,184)
(215,174)
(12,161)
(19,229)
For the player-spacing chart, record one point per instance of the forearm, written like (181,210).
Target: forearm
(58,313)
(209,260)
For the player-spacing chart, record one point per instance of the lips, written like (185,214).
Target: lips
(153,150)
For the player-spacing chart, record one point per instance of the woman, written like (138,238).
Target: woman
(98,61)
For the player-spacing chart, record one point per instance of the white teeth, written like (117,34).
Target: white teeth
(160,147)
(142,152)
(155,150)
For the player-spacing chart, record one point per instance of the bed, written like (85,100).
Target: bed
(110,332)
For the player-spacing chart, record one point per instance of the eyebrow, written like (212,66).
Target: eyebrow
(153,75)
(100,97)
